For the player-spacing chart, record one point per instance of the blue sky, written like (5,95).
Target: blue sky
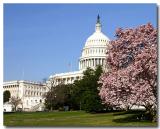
(42,39)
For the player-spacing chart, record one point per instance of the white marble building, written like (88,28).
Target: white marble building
(30,93)
(93,54)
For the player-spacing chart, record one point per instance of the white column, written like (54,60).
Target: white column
(69,80)
(82,64)
(65,81)
(87,62)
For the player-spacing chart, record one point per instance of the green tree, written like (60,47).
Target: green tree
(85,92)
(58,97)
(6,96)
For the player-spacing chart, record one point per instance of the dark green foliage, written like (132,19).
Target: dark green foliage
(6,96)
(58,97)
(85,93)
(91,102)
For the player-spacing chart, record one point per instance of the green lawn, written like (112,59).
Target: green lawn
(74,118)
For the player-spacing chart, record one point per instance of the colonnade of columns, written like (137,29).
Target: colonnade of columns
(91,62)
(66,80)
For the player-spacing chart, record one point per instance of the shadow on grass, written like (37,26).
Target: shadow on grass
(135,116)
(130,112)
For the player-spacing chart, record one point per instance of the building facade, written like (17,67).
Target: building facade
(93,54)
(30,93)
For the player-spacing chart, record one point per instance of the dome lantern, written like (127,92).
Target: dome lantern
(98,24)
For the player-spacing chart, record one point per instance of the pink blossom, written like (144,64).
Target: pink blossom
(132,77)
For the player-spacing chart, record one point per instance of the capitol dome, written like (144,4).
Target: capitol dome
(94,51)
(93,54)
(97,39)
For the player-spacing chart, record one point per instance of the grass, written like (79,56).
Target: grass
(75,118)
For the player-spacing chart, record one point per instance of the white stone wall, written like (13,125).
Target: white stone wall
(13,87)
(7,107)
(30,93)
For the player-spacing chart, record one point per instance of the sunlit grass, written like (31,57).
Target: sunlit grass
(73,118)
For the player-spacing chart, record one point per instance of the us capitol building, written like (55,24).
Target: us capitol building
(93,54)
(31,93)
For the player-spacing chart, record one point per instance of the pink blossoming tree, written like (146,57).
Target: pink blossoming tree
(132,69)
